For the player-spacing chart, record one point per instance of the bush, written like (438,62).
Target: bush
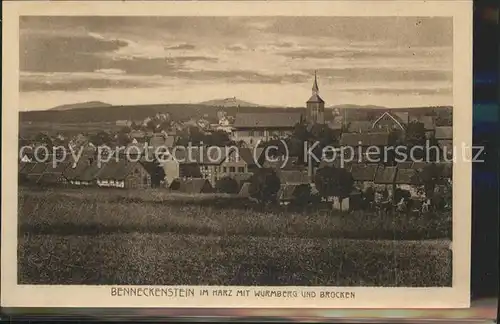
(227,185)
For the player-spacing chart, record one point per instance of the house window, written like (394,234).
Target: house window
(251,133)
(224,169)
(232,169)
(241,169)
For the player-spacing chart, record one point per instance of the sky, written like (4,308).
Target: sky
(386,61)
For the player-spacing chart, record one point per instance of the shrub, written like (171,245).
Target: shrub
(227,185)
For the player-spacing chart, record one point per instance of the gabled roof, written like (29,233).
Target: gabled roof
(359,126)
(107,172)
(428,121)
(74,171)
(287,191)
(242,178)
(59,168)
(50,178)
(366,139)
(195,185)
(444,133)
(405,165)
(385,175)
(364,172)
(407,176)
(244,191)
(247,155)
(315,98)
(27,167)
(267,120)
(39,168)
(400,118)
(281,164)
(90,173)
(336,164)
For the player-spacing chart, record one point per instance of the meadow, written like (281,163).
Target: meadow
(99,236)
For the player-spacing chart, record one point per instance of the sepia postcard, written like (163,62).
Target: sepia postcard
(276,154)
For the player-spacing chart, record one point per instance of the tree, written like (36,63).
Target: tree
(415,136)
(334,182)
(264,185)
(218,138)
(431,176)
(227,185)
(302,195)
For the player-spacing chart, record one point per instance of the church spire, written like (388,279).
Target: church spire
(315,88)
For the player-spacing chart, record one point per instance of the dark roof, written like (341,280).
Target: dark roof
(267,120)
(108,171)
(428,121)
(407,176)
(39,168)
(90,173)
(242,177)
(74,171)
(293,176)
(359,126)
(124,167)
(363,172)
(286,191)
(366,139)
(385,175)
(197,185)
(27,167)
(277,164)
(335,163)
(246,155)
(59,168)
(444,133)
(50,178)
(315,98)
(197,155)
(402,117)
(419,165)
(405,165)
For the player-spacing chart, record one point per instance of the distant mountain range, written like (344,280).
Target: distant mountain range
(99,112)
(89,104)
(228,102)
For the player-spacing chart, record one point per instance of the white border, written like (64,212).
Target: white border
(13,295)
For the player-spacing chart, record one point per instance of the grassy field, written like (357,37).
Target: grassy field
(154,237)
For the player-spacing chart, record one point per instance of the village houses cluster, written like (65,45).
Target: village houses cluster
(201,173)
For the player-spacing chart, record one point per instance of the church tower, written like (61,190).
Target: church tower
(315,105)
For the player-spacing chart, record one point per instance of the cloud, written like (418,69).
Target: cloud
(81,84)
(155,66)
(181,47)
(42,53)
